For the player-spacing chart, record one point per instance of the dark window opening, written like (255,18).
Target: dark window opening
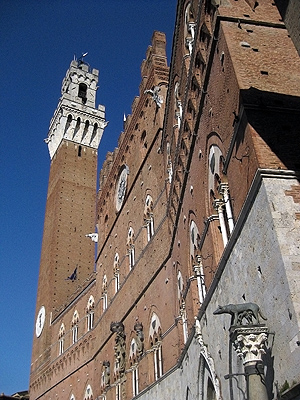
(82,92)
(79,151)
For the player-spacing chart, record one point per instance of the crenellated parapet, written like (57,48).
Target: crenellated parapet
(76,119)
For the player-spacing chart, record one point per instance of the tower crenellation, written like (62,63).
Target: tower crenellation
(76,119)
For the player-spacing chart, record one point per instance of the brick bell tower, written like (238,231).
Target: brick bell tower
(67,257)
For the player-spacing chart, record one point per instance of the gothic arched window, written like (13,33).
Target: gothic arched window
(155,342)
(116,270)
(209,388)
(189,28)
(90,313)
(75,322)
(88,394)
(148,217)
(61,338)
(196,260)
(130,247)
(219,191)
(133,357)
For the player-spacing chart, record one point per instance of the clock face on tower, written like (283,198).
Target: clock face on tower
(40,321)
(121,188)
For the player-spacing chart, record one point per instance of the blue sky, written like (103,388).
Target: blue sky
(38,40)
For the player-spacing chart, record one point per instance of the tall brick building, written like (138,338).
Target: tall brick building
(199,206)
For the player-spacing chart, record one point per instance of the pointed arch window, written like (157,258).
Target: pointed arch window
(116,270)
(94,133)
(219,192)
(133,360)
(88,394)
(148,216)
(90,313)
(68,124)
(189,28)
(155,334)
(61,339)
(75,322)
(209,386)
(196,260)
(77,127)
(130,247)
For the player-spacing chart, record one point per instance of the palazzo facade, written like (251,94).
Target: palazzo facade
(194,291)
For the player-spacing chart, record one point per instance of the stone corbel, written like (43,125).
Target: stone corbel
(138,328)
(120,346)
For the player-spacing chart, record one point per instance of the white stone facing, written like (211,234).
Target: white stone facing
(76,119)
(268,242)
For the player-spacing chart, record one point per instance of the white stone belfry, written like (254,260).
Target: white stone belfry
(76,119)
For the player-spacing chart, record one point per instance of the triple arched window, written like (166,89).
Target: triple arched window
(90,313)
(133,358)
(155,342)
(75,322)
(61,339)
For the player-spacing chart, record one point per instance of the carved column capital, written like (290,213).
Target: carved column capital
(218,205)
(224,188)
(250,343)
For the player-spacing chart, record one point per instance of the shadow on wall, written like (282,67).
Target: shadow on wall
(289,11)
(276,119)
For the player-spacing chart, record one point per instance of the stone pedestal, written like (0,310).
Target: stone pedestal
(250,343)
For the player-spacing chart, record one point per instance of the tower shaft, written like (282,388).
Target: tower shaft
(67,257)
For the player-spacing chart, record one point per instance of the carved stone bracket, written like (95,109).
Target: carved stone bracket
(120,347)
(105,374)
(138,327)
(250,343)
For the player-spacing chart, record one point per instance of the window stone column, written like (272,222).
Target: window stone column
(250,344)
